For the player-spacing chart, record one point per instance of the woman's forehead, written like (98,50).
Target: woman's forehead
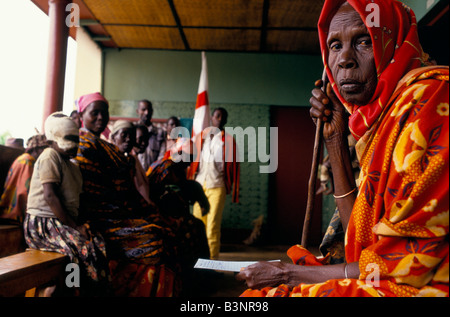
(345,16)
(97,105)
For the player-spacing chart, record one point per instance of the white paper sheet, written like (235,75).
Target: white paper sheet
(229,266)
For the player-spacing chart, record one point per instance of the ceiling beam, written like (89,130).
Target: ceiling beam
(101,38)
(85,22)
(265,14)
(180,28)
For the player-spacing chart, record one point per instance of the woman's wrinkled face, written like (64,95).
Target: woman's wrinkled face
(351,58)
(125,139)
(95,117)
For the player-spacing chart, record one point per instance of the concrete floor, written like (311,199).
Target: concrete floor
(209,283)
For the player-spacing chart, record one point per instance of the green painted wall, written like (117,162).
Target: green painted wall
(421,7)
(236,78)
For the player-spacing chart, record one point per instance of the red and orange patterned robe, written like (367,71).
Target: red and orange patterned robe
(398,230)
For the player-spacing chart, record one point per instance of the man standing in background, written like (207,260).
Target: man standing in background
(217,170)
(156,137)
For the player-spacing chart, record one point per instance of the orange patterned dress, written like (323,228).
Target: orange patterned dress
(13,201)
(398,230)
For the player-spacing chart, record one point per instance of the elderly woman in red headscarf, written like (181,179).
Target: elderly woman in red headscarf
(381,89)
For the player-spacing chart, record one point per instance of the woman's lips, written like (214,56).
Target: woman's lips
(351,86)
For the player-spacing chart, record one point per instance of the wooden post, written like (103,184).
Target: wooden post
(56,58)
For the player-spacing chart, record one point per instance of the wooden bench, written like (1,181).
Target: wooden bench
(31,269)
(11,238)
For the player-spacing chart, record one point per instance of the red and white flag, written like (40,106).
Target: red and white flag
(202,116)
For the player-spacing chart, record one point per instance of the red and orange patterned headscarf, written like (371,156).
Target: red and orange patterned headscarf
(396,46)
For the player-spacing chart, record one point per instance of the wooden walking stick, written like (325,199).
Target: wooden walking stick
(313,174)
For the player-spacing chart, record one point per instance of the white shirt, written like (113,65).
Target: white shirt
(211,169)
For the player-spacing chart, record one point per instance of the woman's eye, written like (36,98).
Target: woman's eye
(335,46)
(365,42)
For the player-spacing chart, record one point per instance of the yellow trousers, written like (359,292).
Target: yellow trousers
(213,219)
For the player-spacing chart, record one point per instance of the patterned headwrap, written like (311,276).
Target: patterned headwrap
(86,100)
(36,141)
(396,47)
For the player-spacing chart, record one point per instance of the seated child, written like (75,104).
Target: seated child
(53,207)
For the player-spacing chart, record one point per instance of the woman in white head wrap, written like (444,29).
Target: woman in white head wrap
(123,135)
(63,131)
(53,205)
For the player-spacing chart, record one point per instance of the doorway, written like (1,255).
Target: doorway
(289,184)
